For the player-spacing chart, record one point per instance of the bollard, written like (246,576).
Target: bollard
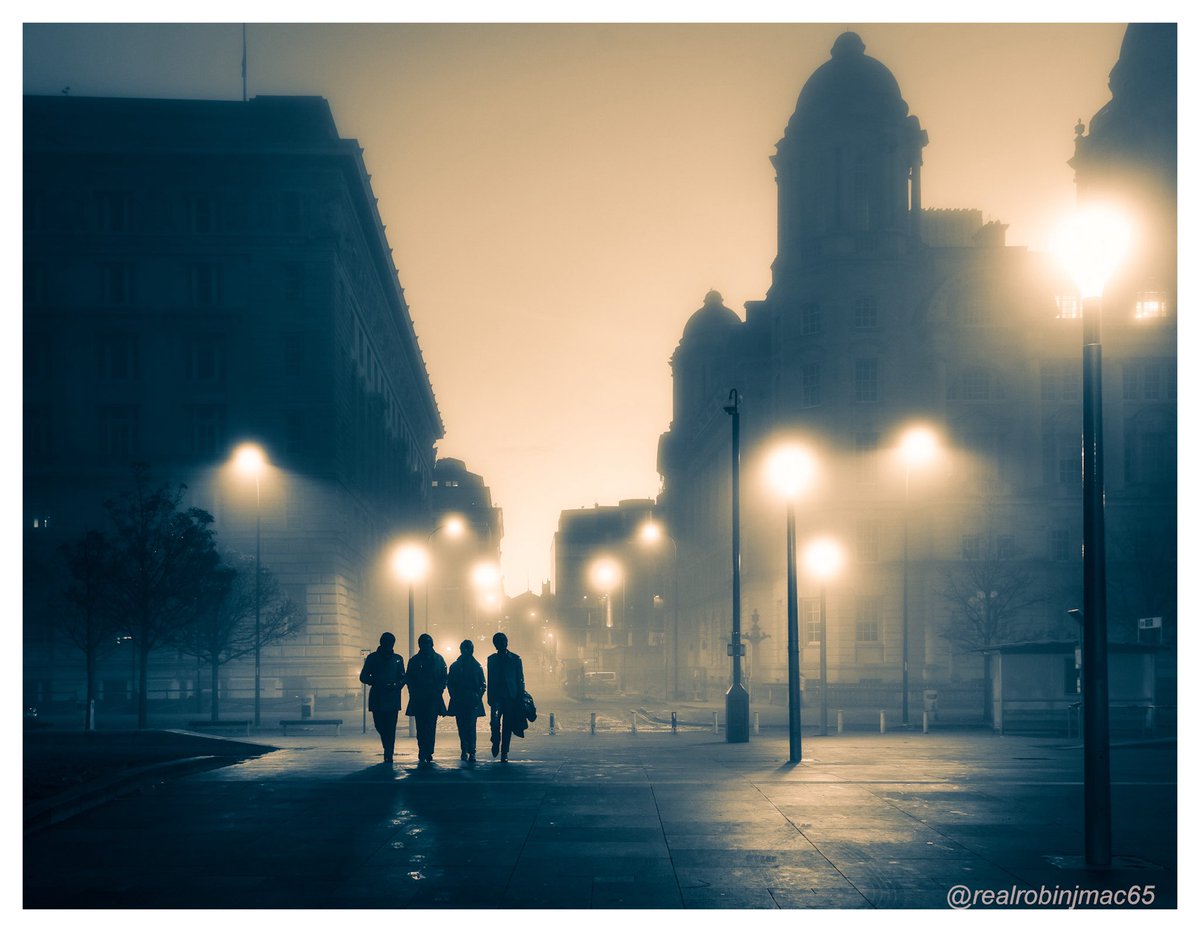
(756,723)
(633,723)
(925,722)
(674,724)
(716,724)
(593,723)
(882,721)
(551,723)
(841,721)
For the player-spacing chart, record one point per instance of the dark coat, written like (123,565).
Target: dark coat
(426,681)
(466,684)
(506,686)
(384,673)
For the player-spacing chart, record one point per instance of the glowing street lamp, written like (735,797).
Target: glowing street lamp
(791,469)
(605,574)
(455,528)
(1091,246)
(918,447)
(410,562)
(823,558)
(652,534)
(250,460)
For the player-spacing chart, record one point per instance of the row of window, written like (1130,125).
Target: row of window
(202,284)
(1147,305)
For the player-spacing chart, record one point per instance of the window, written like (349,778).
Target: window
(1070,307)
(1149,380)
(117,358)
(810,318)
(1150,304)
(1150,446)
(202,213)
(1060,545)
(1060,381)
(810,615)
(866,540)
(112,212)
(118,426)
(207,359)
(810,385)
(204,284)
(865,315)
(866,380)
(1062,459)
(972,547)
(206,430)
(866,622)
(116,283)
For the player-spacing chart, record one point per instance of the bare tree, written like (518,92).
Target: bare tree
(85,607)
(163,565)
(225,630)
(988,598)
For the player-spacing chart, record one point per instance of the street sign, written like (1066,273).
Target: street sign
(741,650)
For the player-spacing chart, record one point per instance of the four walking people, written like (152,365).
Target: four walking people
(427,678)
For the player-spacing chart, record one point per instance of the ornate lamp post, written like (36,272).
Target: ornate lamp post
(918,446)
(823,558)
(737,700)
(651,532)
(411,562)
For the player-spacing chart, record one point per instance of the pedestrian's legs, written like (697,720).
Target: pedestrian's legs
(385,724)
(466,732)
(505,736)
(495,730)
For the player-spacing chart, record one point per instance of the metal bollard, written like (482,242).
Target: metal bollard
(633,723)
(756,723)
(882,721)
(925,723)
(841,721)
(674,724)
(593,723)
(716,724)
(551,723)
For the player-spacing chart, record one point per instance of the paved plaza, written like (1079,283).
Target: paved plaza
(651,820)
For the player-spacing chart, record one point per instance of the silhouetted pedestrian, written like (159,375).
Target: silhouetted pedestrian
(426,681)
(383,671)
(506,695)
(466,684)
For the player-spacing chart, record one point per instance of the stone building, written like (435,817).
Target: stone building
(202,273)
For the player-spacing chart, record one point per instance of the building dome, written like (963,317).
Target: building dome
(850,86)
(713,321)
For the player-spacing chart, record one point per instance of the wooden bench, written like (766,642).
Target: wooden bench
(225,724)
(334,723)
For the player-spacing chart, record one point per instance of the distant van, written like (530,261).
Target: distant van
(601,681)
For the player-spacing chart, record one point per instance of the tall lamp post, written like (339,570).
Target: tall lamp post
(651,532)
(917,447)
(791,469)
(823,558)
(455,527)
(250,460)
(605,573)
(1093,244)
(737,700)
(411,562)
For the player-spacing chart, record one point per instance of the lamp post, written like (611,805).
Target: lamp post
(1093,244)
(455,527)
(823,558)
(605,573)
(250,461)
(737,700)
(410,562)
(791,468)
(917,447)
(485,579)
(652,532)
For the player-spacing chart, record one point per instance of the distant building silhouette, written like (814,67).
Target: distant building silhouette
(882,313)
(201,273)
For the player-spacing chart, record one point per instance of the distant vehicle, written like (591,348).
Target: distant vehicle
(601,681)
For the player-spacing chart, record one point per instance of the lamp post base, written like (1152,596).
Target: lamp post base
(737,714)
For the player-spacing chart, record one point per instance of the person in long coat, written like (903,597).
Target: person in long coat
(466,685)
(383,671)
(426,681)
(506,695)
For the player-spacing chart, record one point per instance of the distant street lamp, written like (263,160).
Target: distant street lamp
(410,562)
(737,700)
(823,558)
(455,527)
(651,532)
(918,446)
(250,460)
(1091,247)
(791,469)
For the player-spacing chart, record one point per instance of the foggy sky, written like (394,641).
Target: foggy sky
(560,198)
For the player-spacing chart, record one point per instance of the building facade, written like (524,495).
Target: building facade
(883,315)
(202,273)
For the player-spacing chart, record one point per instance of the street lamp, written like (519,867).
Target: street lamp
(605,573)
(791,469)
(250,460)
(918,446)
(455,527)
(410,561)
(1091,246)
(737,700)
(823,558)
(651,533)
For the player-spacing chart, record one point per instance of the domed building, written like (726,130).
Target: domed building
(881,316)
